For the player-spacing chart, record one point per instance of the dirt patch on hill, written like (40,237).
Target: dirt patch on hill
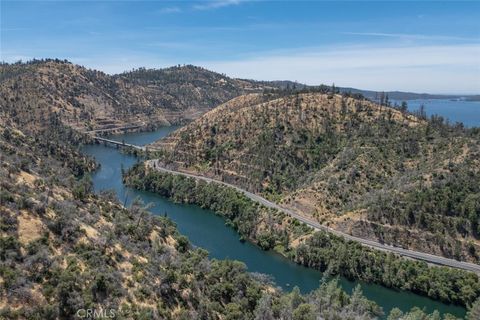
(29,228)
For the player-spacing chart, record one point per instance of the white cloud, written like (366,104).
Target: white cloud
(425,68)
(168,10)
(439,68)
(215,4)
(10,58)
(407,36)
(119,64)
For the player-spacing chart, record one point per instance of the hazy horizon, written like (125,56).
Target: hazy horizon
(248,78)
(379,46)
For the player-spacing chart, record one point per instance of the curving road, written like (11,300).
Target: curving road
(429,258)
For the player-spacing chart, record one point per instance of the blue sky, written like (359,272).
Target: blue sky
(425,46)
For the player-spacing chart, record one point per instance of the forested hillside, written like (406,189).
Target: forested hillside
(271,229)
(92,100)
(366,169)
(65,249)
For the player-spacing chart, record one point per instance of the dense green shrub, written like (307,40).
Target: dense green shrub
(322,251)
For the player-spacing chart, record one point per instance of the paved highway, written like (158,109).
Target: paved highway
(430,258)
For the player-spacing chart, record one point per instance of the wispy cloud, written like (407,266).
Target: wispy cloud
(168,10)
(5,57)
(14,29)
(174,45)
(436,68)
(215,4)
(410,36)
(121,63)
(452,68)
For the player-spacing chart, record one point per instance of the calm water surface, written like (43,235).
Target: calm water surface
(467,112)
(207,230)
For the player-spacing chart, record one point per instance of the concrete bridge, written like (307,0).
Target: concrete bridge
(106,130)
(119,144)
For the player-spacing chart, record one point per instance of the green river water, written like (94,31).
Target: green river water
(207,230)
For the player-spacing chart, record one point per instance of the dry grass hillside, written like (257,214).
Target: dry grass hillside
(232,140)
(366,169)
(84,99)
(65,250)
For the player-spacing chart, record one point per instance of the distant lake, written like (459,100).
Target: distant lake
(467,112)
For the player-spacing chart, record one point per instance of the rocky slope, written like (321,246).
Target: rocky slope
(357,166)
(92,100)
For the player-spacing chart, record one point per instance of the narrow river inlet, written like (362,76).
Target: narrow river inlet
(207,230)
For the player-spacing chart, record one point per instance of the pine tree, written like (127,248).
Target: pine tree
(264,308)
(474,311)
